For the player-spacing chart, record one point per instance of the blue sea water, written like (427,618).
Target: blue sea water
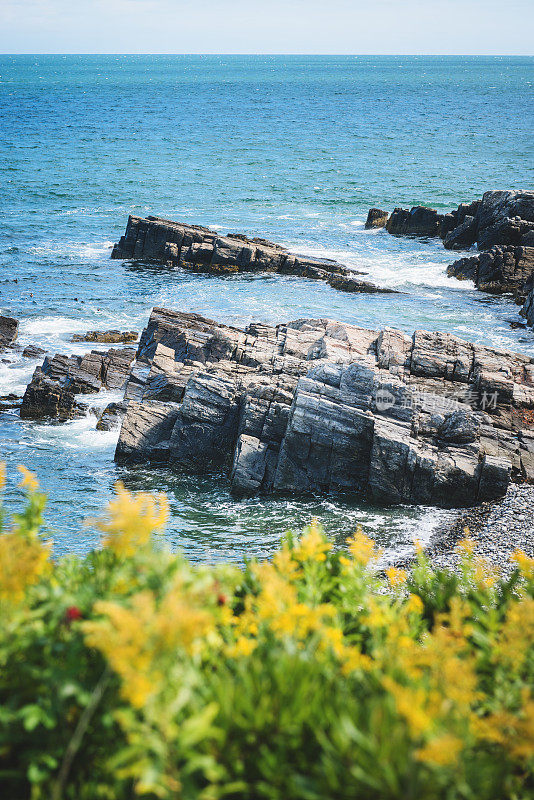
(294,148)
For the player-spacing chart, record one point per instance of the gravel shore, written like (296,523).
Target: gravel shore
(499,527)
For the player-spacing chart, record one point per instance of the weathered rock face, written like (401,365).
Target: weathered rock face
(51,392)
(199,249)
(106,337)
(419,221)
(498,270)
(8,331)
(376,218)
(319,406)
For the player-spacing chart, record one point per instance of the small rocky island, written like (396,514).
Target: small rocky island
(199,249)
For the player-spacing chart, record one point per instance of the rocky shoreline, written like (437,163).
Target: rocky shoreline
(498,527)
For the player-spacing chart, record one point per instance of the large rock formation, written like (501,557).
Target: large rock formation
(51,394)
(199,249)
(8,331)
(319,406)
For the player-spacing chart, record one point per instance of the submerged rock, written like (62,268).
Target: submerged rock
(9,327)
(199,249)
(106,337)
(320,406)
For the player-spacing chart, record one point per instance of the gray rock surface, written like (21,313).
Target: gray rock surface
(319,406)
(51,392)
(418,221)
(376,218)
(199,249)
(498,270)
(8,332)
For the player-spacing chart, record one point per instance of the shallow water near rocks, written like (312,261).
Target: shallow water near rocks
(292,148)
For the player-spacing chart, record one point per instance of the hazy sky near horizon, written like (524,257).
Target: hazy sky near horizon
(268,26)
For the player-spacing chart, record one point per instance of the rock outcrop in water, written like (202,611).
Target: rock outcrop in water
(497,270)
(319,406)
(501,224)
(51,394)
(8,332)
(199,249)
(499,218)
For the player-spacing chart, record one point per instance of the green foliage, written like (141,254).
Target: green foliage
(131,672)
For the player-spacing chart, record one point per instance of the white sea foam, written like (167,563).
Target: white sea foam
(79,434)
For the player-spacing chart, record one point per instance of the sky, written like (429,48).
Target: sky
(488,27)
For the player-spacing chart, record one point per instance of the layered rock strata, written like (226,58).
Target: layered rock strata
(199,249)
(318,406)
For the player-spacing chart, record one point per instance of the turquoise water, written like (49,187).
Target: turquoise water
(292,148)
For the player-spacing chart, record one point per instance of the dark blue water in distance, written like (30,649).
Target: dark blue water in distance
(294,148)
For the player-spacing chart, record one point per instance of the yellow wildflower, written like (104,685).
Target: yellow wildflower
(313,546)
(2,475)
(243,647)
(362,548)
(524,564)
(414,604)
(23,559)
(467,546)
(29,481)
(133,519)
(440,751)
(396,576)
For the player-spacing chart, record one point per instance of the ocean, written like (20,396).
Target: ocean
(293,148)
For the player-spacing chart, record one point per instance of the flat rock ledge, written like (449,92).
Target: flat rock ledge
(199,249)
(316,406)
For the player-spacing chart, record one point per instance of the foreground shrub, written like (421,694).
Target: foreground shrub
(132,672)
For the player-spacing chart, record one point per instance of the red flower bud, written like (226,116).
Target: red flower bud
(221,599)
(73,613)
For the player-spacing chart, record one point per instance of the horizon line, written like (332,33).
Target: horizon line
(348,55)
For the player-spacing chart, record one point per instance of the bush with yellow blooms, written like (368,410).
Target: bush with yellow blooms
(314,675)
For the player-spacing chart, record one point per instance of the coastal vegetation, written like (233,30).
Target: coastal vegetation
(131,672)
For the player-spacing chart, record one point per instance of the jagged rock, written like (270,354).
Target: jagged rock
(498,270)
(461,237)
(199,249)
(528,306)
(106,337)
(419,221)
(31,351)
(320,406)
(46,398)
(376,218)
(48,395)
(112,416)
(8,331)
